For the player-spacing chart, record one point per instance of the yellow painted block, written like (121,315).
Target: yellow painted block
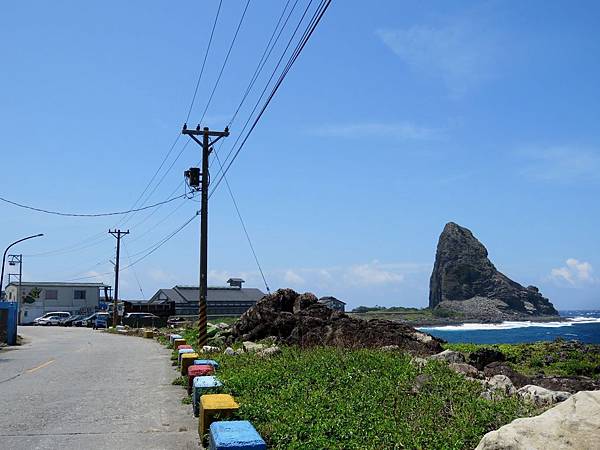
(212,405)
(149,334)
(187,360)
(178,342)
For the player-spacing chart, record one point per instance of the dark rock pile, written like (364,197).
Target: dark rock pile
(298,319)
(466,281)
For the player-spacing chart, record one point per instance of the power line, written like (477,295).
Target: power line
(239,214)
(225,61)
(212,32)
(115,213)
(317,16)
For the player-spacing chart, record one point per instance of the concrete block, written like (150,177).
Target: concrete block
(204,385)
(182,352)
(235,435)
(214,407)
(149,334)
(179,347)
(179,341)
(198,371)
(172,337)
(187,360)
(207,362)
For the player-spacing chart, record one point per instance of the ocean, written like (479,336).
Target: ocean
(583,326)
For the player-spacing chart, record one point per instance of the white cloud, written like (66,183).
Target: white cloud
(575,273)
(372,274)
(560,163)
(398,130)
(458,53)
(292,277)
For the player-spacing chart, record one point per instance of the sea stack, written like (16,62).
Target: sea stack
(464,280)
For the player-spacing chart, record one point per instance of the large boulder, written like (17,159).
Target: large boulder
(465,280)
(571,425)
(501,368)
(299,319)
(540,396)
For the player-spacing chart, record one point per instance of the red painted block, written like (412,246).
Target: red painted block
(179,347)
(198,371)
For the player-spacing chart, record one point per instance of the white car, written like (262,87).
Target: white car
(60,314)
(52,320)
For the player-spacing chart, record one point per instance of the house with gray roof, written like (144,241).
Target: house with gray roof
(231,300)
(333,303)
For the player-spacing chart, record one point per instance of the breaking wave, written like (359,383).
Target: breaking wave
(509,325)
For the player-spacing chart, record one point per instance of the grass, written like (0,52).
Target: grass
(557,358)
(349,399)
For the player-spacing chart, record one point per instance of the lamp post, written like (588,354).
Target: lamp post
(4,256)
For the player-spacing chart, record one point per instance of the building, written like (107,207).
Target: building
(39,297)
(232,300)
(333,303)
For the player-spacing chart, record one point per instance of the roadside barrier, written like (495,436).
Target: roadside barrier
(187,360)
(149,334)
(204,385)
(179,341)
(211,405)
(183,351)
(235,435)
(207,362)
(197,371)
(172,337)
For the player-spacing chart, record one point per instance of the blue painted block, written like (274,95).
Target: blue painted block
(235,435)
(203,385)
(206,362)
(182,351)
(172,337)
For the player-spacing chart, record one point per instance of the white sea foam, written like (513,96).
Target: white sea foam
(509,325)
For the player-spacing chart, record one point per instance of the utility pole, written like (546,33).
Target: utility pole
(117,234)
(193,180)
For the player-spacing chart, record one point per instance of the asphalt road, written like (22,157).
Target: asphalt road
(75,388)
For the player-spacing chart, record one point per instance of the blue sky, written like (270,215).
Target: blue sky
(397,118)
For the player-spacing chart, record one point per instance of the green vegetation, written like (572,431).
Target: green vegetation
(180,381)
(557,358)
(349,399)
(187,400)
(409,315)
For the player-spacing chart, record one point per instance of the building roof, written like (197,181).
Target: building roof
(331,299)
(57,283)
(191,294)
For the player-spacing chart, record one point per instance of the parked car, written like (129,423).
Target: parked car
(68,322)
(61,314)
(101,321)
(51,320)
(85,321)
(176,321)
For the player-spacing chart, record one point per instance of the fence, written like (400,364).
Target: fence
(8,322)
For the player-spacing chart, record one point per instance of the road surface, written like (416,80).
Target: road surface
(75,388)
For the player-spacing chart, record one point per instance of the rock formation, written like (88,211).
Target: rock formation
(299,319)
(466,281)
(572,424)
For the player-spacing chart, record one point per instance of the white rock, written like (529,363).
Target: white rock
(210,349)
(229,351)
(500,383)
(571,425)
(540,396)
(464,369)
(449,356)
(222,326)
(419,362)
(390,348)
(251,347)
(268,352)
(422,337)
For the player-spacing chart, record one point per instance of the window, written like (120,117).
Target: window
(79,294)
(51,294)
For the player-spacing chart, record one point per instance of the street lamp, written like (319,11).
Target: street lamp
(4,256)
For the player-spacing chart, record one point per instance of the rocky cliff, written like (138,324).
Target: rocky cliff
(465,280)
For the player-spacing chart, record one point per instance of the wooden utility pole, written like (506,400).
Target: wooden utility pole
(117,234)
(206,145)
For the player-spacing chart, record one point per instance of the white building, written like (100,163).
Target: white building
(38,298)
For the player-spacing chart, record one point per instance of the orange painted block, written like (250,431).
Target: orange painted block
(214,407)
(187,360)
(179,347)
(198,371)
